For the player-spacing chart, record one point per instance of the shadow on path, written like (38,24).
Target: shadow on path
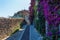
(34,35)
(29,33)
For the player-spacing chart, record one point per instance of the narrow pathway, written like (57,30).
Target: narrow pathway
(17,35)
(34,35)
(29,33)
(25,36)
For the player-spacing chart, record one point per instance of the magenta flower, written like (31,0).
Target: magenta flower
(58,32)
(49,34)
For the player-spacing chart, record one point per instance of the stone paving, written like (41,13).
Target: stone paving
(30,33)
(17,35)
(34,35)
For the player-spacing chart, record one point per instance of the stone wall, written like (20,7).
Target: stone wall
(8,26)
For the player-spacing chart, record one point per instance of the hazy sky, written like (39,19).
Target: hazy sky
(9,7)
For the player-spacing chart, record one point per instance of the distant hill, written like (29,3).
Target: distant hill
(20,14)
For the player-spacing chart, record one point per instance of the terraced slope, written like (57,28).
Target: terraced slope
(8,26)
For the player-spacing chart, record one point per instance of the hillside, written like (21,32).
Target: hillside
(9,25)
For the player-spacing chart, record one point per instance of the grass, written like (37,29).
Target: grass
(15,30)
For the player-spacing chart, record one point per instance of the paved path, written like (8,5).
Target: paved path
(30,33)
(26,34)
(17,35)
(34,35)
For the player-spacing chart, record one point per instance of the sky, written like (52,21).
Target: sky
(9,7)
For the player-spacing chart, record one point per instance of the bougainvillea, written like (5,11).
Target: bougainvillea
(41,18)
(51,16)
(31,9)
(46,10)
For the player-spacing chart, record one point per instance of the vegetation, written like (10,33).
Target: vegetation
(46,11)
(15,31)
(9,26)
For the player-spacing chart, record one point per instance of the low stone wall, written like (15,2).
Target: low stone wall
(8,26)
